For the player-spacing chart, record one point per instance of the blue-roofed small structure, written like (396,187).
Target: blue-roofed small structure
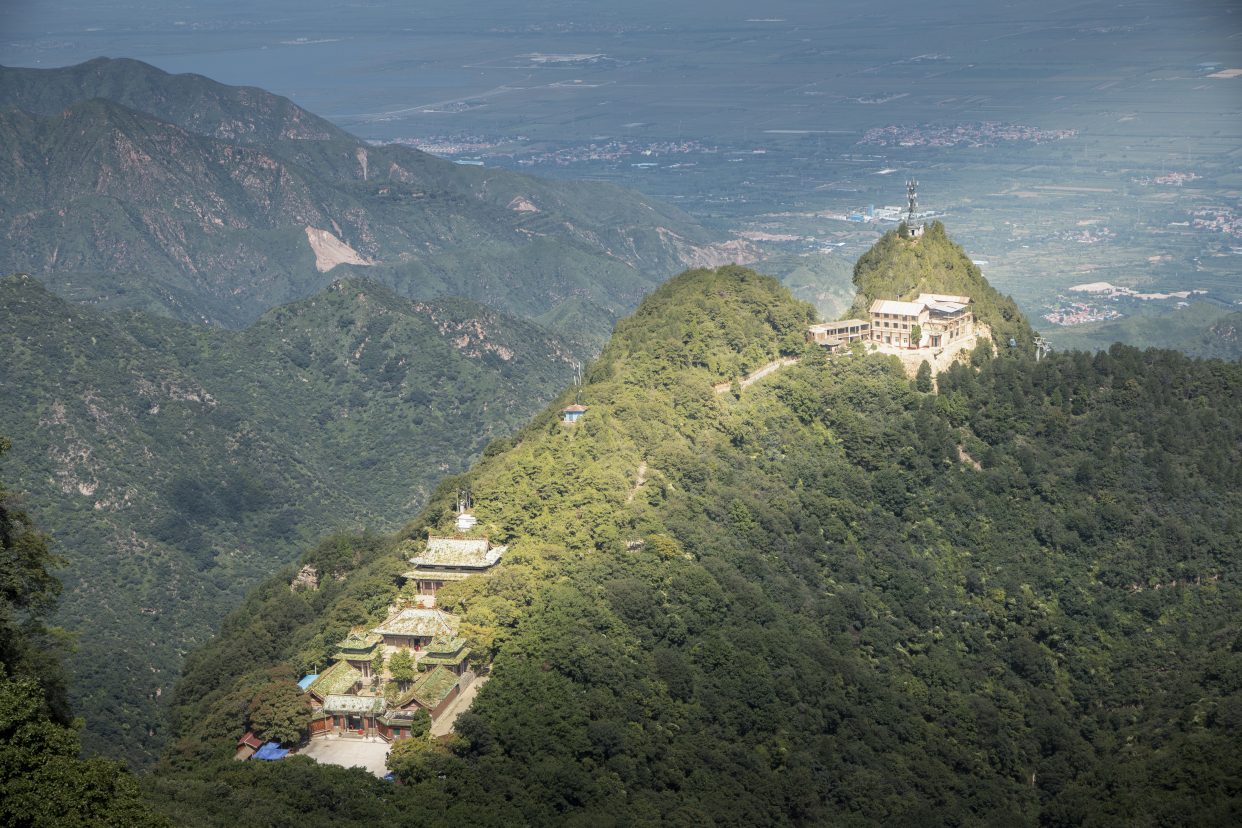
(271,751)
(306,682)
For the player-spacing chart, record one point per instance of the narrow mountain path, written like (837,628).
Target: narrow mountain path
(639,480)
(444,724)
(760,373)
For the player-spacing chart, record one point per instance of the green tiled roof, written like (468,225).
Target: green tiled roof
(368,705)
(359,644)
(430,689)
(445,650)
(335,680)
(474,553)
(425,623)
(359,640)
(443,645)
(449,660)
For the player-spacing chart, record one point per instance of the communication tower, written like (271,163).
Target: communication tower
(912,200)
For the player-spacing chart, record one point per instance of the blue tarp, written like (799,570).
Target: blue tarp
(306,682)
(271,751)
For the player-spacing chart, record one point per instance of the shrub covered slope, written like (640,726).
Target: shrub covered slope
(829,599)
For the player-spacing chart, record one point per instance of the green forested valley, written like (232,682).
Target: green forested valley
(828,599)
(177,466)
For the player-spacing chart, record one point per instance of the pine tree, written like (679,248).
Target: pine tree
(401,666)
(377,664)
(923,381)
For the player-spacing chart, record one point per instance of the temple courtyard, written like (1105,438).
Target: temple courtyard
(348,752)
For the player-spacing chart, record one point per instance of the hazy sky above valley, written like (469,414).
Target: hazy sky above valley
(696,69)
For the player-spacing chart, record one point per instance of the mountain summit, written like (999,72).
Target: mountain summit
(901,266)
(239,114)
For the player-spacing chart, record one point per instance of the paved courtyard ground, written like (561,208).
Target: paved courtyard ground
(348,753)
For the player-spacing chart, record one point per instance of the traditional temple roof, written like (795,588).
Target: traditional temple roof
(335,680)
(366,705)
(358,644)
(471,553)
(425,623)
(447,651)
(429,689)
(250,740)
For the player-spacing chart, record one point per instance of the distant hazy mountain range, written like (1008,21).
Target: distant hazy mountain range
(124,186)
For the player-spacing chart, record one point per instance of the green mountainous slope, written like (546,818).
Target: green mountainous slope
(577,318)
(823,279)
(241,114)
(1220,340)
(178,465)
(198,201)
(1168,330)
(829,599)
(901,268)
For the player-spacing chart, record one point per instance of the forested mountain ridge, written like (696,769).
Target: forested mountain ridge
(1220,340)
(178,465)
(240,114)
(815,609)
(901,267)
(136,198)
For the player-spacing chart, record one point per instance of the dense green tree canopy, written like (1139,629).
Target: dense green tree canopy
(43,782)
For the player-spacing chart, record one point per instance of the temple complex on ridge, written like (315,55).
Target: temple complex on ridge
(942,320)
(345,697)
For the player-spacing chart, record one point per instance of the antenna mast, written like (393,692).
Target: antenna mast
(912,200)
(578,381)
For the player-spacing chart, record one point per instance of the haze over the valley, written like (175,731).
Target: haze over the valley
(1072,146)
